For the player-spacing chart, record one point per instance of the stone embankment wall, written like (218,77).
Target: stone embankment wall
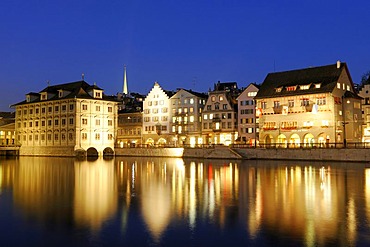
(49,151)
(353,155)
(334,154)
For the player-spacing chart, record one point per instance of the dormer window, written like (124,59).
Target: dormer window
(278,90)
(44,96)
(304,87)
(98,94)
(317,85)
(291,88)
(60,93)
(28,98)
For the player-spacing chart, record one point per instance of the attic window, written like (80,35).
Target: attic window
(60,94)
(278,90)
(98,94)
(317,85)
(28,98)
(291,88)
(43,96)
(304,87)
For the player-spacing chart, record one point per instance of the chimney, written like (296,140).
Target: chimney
(338,64)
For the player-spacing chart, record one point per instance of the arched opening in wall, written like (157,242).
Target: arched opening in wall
(92,152)
(149,142)
(268,141)
(282,141)
(108,152)
(161,142)
(294,141)
(323,140)
(80,153)
(308,140)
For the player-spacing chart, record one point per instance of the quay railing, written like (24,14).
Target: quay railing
(349,145)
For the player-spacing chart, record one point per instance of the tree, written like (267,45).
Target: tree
(365,79)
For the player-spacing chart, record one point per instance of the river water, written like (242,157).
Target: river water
(174,202)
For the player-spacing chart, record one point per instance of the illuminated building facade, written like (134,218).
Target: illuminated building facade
(130,121)
(130,125)
(220,115)
(7,128)
(365,94)
(156,116)
(247,121)
(311,107)
(186,126)
(65,120)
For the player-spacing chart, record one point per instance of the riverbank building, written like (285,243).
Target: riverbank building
(186,117)
(312,107)
(247,122)
(156,117)
(67,120)
(220,115)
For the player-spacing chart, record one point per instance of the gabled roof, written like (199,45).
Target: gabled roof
(247,88)
(327,76)
(200,95)
(197,94)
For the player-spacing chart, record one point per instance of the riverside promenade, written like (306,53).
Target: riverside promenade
(223,152)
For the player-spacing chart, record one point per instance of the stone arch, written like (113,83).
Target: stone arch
(149,142)
(268,140)
(161,141)
(80,153)
(308,140)
(108,152)
(92,152)
(294,141)
(281,141)
(323,139)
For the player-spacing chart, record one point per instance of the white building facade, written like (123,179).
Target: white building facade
(157,117)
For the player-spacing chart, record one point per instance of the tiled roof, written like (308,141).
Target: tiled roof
(7,115)
(78,89)
(327,76)
(200,95)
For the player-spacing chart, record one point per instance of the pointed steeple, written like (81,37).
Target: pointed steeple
(125,90)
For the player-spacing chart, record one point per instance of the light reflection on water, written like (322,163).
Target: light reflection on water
(170,201)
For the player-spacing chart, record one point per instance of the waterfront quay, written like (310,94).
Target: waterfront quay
(352,153)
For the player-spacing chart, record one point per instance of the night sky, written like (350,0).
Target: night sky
(184,43)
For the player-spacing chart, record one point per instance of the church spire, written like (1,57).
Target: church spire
(125,90)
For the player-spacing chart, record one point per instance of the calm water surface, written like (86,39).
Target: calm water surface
(175,202)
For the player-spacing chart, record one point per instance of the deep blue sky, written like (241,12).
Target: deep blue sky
(185,43)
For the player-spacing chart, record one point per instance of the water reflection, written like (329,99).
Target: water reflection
(155,199)
(95,193)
